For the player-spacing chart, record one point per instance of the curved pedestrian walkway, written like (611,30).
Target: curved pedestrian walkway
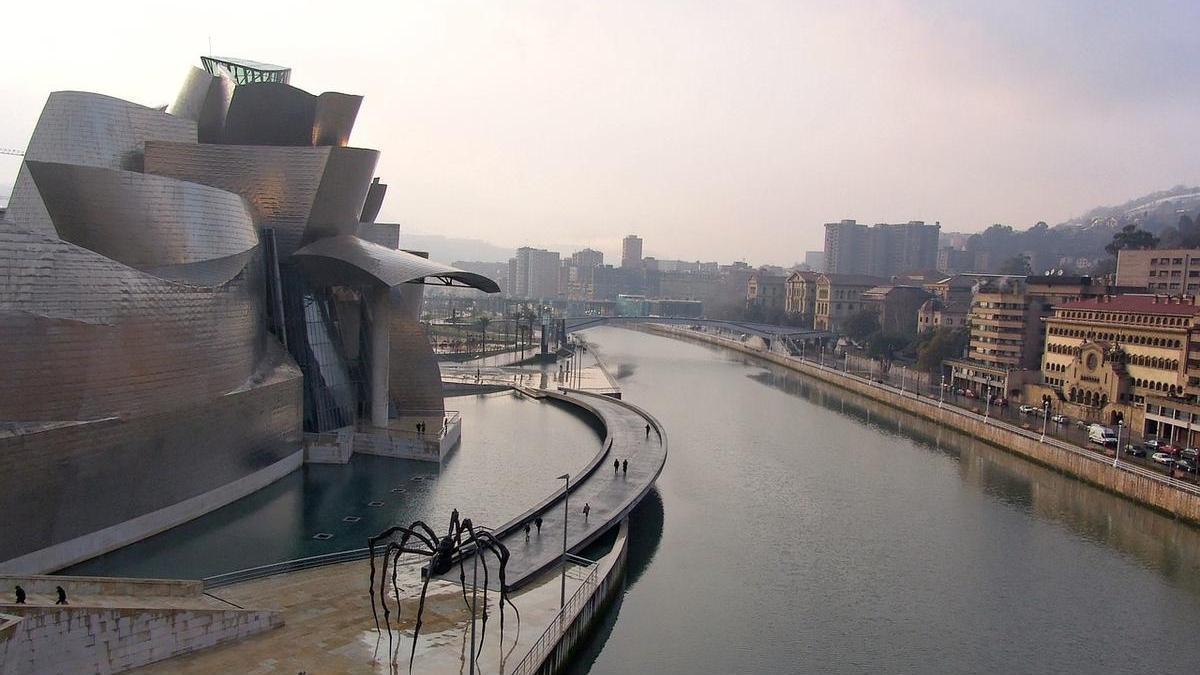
(610,493)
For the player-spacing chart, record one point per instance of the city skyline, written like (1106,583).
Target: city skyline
(741,131)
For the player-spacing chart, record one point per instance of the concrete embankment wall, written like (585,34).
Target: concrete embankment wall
(583,611)
(1153,491)
(113,625)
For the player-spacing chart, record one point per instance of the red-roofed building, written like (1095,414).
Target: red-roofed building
(1134,358)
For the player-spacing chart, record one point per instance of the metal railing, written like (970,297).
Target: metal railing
(559,624)
(450,419)
(1054,442)
(272,569)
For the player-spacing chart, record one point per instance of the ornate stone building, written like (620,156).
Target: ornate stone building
(1127,357)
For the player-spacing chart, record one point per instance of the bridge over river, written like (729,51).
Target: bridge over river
(763,330)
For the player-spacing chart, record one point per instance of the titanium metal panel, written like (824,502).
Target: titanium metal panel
(350,257)
(342,192)
(144,221)
(270,113)
(374,202)
(288,188)
(333,119)
(78,127)
(84,337)
(414,379)
(64,481)
(204,99)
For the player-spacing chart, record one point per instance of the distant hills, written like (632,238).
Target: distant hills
(1077,245)
(449,249)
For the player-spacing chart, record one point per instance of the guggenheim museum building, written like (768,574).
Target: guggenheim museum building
(188,297)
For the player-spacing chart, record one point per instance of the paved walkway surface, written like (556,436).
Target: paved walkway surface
(328,627)
(610,493)
(592,377)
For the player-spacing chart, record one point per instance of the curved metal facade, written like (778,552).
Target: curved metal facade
(301,193)
(349,256)
(150,274)
(150,223)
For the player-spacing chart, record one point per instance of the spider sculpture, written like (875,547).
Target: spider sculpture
(461,541)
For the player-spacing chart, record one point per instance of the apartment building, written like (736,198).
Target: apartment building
(766,291)
(1007,332)
(882,250)
(838,297)
(1174,271)
(800,296)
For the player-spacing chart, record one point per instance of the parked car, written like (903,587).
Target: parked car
(1155,443)
(1172,450)
(1060,419)
(1162,458)
(1027,409)
(1098,433)
(1187,466)
(1190,453)
(1135,450)
(1082,424)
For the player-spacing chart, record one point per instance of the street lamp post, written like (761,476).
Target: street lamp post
(1045,418)
(846,367)
(987,402)
(562,593)
(903,373)
(942,391)
(1117,450)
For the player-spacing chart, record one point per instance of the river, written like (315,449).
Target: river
(797,528)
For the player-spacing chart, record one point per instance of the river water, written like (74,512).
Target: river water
(799,529)
(511,450)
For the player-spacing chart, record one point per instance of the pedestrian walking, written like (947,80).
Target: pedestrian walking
(647,431)
(616,466)
(62,596)
(624,466)
(20,595)
(587,508)
(527,533)
(538,521)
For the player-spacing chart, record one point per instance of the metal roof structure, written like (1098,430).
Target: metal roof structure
(245,71)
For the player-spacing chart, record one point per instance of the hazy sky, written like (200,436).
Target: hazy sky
(716,130)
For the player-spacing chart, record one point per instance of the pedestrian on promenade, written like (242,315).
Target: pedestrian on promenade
(647,431)
(20,595)
(587,508)
(624,466)
(616,466)
(526,533)
(538,521)
(62,596)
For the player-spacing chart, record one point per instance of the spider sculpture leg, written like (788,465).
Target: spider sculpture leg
(473,538)
(417,629)
(394,551)
(428,538)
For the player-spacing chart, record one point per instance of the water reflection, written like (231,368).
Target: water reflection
(511,450)
(801,538)
(645,536)
(1156,540)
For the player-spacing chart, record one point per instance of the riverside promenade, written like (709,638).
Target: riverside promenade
(327,623)
(611,494)
(1173,497)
